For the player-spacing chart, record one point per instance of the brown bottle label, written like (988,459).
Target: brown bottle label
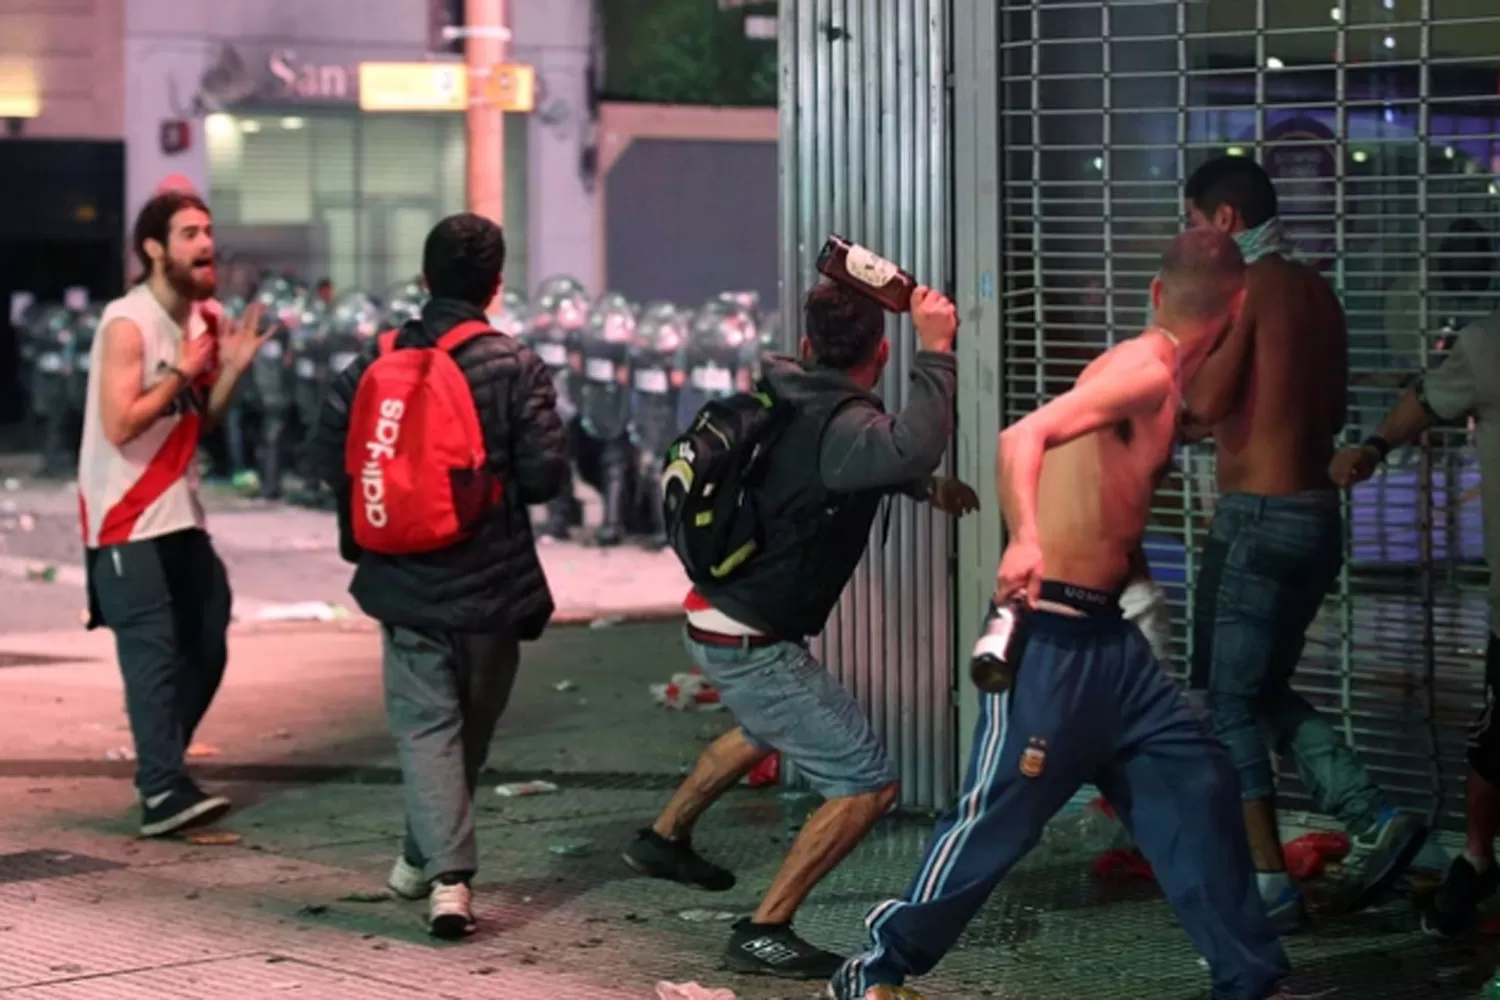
(866,266)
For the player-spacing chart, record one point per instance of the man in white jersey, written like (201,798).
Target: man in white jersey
(162,372)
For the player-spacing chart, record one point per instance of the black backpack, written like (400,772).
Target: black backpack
(708,506)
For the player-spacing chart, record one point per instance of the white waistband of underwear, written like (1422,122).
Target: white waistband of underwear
(715,621)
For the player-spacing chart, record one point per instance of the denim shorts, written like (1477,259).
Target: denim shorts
(785,700)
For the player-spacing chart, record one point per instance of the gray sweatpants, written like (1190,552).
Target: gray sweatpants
(444,693)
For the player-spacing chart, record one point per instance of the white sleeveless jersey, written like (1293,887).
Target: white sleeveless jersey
(149,486)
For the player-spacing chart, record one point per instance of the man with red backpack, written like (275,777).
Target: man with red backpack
(437,441)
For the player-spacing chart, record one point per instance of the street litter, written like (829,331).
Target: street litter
(39,573)
(200,750)
(607,621)
(690,991)
(573,848)
(120,753)
(707,916)
(26,522)
(305,611)
(367,897)
(1310,854)
(565,686)
(766,773)
(212,838)
(518,789)
(685,691)
(12,484)
(1119,858)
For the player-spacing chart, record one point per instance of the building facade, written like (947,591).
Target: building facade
(62,160)
(257,101)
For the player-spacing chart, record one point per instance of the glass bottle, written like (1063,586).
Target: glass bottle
(992,664)
(867,272)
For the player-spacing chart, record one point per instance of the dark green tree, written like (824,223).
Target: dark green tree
(686,52)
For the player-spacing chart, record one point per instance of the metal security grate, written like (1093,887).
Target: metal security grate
(1379,121)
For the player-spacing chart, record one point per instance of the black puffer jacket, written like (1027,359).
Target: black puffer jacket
(492,581)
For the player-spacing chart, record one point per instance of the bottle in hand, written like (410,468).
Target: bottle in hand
(997,654)
(866,272)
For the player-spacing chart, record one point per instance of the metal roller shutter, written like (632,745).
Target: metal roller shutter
(864,145)
(1379,122)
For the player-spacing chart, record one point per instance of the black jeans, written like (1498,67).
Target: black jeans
(167,600)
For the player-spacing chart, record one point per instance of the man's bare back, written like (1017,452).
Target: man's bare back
(1095,491)
(1277,394)
(1091,458)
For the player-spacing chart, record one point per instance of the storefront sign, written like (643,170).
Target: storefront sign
(421,86)
(324,76)
(510,87)
(310,81)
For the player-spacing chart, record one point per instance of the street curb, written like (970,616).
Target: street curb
(354,623)
(357,622)
(610,616)
(593,617)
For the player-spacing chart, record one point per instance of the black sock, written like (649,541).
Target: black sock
(454,878)
(781,925)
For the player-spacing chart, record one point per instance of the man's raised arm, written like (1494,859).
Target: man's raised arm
(1132,383)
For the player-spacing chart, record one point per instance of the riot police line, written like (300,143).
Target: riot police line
(629,378)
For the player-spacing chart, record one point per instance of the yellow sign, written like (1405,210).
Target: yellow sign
(420,86)
(509,87)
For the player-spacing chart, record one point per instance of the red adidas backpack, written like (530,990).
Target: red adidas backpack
(415,454)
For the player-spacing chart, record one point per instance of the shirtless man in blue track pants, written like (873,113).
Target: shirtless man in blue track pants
(1089,703)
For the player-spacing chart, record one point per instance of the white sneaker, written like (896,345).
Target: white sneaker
(450,911)
(407,881)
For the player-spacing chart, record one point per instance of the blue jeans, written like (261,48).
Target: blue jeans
(1267,566)
(1090,704)
(785,700)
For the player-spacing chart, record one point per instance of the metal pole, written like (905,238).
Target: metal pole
(484,51)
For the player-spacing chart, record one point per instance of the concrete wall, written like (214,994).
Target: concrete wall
(67,57)
(555,37)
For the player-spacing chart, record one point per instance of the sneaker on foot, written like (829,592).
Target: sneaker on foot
(450,911)
(1451,909)
(181,809)
(1287,912)
(1382,855)
(407,880)
(776,950)
(655,856)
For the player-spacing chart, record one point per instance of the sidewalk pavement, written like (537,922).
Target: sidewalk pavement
(284,561)
(295,908)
